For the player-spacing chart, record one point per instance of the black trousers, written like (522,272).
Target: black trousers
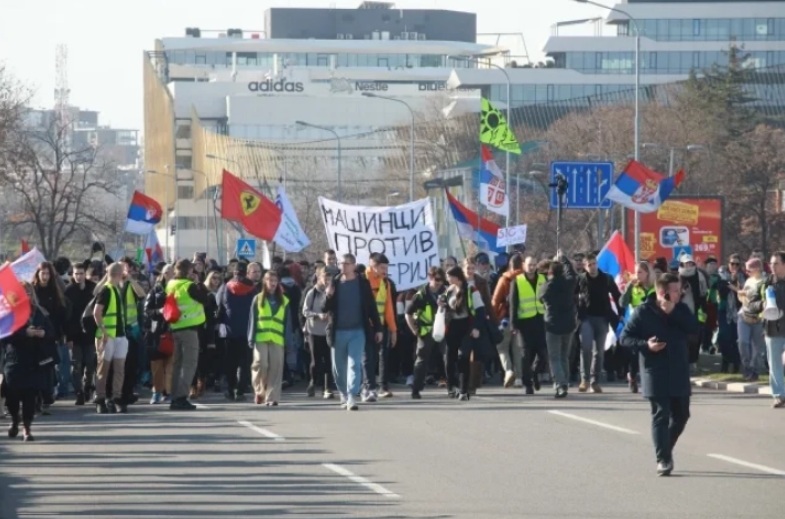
(457,356)
(83,365)
(238,357)
(425,348)
(531,334)
(376,363)
(321,367)
(24,398)
(669,416)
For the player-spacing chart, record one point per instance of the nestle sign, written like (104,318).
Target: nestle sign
(371,86)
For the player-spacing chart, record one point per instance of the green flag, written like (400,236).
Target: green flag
(140,256)
(495,131)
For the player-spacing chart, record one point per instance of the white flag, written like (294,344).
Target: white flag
(290,235)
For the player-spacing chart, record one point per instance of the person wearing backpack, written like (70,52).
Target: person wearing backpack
(190,299)
(316,330)
(79,293)
(111,345)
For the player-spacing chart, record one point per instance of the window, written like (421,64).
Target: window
(550,93)
(322,60)
(696,60)
(183,162)
(653,61)
(201,59)
(185,192)
(382,62)
(696,27)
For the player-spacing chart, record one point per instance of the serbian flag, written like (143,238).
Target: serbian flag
(14,303)
(152,249)
(482,232)
(641,189)
(493,189)
(143,214)
(245,205)
(616,259)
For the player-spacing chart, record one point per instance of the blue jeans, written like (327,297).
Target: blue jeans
(347,354)
(774,348)
(63,370)
(750,347)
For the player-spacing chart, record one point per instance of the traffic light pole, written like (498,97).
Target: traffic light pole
(561,185)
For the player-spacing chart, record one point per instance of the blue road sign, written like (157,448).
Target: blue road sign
(680,250)
(246,248)
(589,182)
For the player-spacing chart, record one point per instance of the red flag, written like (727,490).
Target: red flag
(243,204)
(14,303)
(25,247)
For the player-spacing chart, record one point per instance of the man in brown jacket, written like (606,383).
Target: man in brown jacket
(510,352)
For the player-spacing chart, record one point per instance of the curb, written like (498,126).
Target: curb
(731,387)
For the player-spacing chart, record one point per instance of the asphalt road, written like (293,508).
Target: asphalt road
(499,455)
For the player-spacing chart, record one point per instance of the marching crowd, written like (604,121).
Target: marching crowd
(103,329)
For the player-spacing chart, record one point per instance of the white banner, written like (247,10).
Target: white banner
(511,235)
(404,233)
(24,268)
(290,235)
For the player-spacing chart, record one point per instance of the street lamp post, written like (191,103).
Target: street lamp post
(411,137)
(509,121)
(672,152)
(637,122)
(338,140)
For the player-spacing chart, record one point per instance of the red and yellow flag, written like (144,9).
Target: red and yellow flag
(245,205)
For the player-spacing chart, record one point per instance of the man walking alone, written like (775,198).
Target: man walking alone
(658,332)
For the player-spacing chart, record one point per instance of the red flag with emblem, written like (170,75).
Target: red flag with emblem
(245,205)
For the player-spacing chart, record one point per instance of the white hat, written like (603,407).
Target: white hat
(686,258)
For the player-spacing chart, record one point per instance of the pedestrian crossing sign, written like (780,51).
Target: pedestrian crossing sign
(246,249)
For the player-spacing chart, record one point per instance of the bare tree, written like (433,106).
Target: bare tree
(57,188)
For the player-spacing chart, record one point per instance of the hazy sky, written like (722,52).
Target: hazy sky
(106,38)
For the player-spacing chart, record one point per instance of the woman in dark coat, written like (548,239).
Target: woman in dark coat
(26,364)
(52,300)
(153,328)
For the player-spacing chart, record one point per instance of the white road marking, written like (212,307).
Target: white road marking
(593,422)
(200,406)
(360,480)
(747,464)
(263,432)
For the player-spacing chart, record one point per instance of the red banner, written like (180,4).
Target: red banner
(680,222)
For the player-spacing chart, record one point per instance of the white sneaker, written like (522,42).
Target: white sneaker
(410,381)
(351,405)
(518,383)
(369,396)
(328,395)
(343,400)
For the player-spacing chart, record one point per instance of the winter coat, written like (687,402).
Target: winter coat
(558,297)
(23,354)
(234,307)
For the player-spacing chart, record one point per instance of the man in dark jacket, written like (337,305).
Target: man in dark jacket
(78,294)
(561,319)
(234,309)
(595,290)
(352,320)
(658,332)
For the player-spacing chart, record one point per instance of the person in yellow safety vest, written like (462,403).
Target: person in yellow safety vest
(190,298)
(528,330)
(635,295)
(269,326)
(420,315)
(377,356)
(111,345)
(133,294)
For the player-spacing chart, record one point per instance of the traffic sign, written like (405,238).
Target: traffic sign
(246,248)
(680,250)
(588,184)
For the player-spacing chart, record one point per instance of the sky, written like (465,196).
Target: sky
(106,39)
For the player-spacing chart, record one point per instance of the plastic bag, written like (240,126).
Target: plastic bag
(439,325)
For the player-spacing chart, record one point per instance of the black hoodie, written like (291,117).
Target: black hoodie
(234,306)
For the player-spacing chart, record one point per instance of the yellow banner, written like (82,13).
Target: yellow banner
(678,212)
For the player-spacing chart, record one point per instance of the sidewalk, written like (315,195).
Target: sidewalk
(711,364)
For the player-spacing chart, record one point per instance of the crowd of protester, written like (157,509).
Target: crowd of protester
(104,330)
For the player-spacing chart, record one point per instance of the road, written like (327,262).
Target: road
(500,455)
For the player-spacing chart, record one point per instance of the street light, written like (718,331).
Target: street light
(391,195)
(509,120)
(673,150)
(637,113)
(338,140)
(411,136)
